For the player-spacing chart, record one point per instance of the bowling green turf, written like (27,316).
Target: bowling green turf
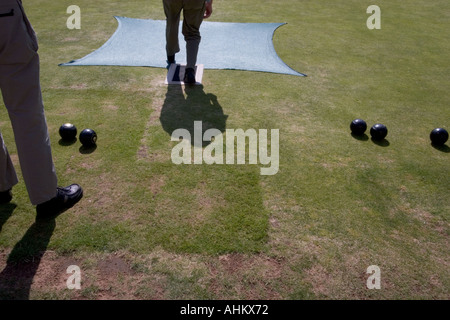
(149,229)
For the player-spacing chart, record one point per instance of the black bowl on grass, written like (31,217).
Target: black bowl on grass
(378,132)
(358,127)
(68,132)
(88,138)
(439,136)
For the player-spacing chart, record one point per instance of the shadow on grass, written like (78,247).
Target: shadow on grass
(381,143)
(360,137)
(442,148)
(23,262)
(66,143)
(180,112)
(87,150)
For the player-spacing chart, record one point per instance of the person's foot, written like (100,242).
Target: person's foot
(65,199)
(189,76)
(5,196)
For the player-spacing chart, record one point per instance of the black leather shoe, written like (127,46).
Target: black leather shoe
(65,199)
(5,196)
(189,76)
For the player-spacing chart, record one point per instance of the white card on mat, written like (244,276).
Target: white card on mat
(175,74)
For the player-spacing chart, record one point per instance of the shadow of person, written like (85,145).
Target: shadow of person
(23,262)
(182,109)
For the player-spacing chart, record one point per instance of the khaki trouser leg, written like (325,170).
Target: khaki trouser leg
(21,91)
(172,10)
(193,11)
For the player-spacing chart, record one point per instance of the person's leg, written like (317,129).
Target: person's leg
(8,177)
(21,91)
(22,97)
(172,10)
(193,11)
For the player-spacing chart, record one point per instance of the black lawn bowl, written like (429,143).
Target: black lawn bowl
(88,138)
(68,132)
(378,132)
(358,127)
(438,136)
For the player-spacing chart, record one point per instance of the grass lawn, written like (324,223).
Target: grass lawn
(149,229)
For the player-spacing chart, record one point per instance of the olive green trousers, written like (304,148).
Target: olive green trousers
(193,11)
